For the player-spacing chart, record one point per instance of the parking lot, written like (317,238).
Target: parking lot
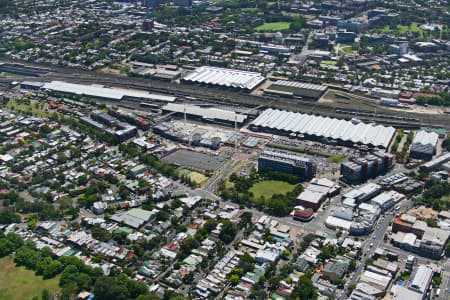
(195,160)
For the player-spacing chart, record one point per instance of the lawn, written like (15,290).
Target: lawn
(20,283)
(336,158)
(267,188)
(402,29)
(346,50)
(275,26)
(35,108)
(198,178)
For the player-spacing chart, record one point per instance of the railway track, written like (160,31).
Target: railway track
(215,95)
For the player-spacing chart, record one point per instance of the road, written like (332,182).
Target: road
(445,284)
(377,239)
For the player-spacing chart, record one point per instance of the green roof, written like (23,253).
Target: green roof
(276,296)
(140,213)
(125,229)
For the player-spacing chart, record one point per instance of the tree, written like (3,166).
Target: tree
(148,296)
(105,288)
(234,279)
(46,295)
(352,265)
(228,232)
(246,218)
(305,289)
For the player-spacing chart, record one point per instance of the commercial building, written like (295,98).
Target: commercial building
(430,165)
(311,199)
(302,214)
(131,118)
(345,36)
(416,236)
(229,78)
(121,131)
(387,200)
(316,192)
(297,89)
(382,93)
(360,169)
(135,217)
(286,162)
(206,114)
(424,145)
(313,127)
(356,25)
(417,287)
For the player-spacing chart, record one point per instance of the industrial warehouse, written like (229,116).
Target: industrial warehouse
(424,145)
(316,127)
(208,114)
(225,77)
(96,91)
(296,89)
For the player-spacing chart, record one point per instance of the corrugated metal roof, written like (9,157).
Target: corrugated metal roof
(375,135)
(301,85)
(225,77)
(104,92)
(426,138)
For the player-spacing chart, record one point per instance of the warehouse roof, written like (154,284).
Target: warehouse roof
(301,85)
(375,135)
(225,77)
(206,112)
(104,92)
(426,138)
(422,279)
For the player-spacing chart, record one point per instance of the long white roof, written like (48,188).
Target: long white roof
(339,129)
(104,92)
(206,112)
(225,77)
(426,138)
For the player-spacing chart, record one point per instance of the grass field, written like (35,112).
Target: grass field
(197,177)
(336,158)
(36,110)
(267,188)
(19,283)
(402,29)
(275,26)
(346,50)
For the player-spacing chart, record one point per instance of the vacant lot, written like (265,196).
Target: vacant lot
(268,188)
(20,283)
(275,26)
(198,178)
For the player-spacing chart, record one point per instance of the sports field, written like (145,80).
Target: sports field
(18,283)
(268,188)
(274,26)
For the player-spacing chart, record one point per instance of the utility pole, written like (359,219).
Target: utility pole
(235,132)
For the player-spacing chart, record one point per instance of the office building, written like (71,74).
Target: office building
(272,160)
(360,169)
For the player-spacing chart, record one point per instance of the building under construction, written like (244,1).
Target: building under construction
(206,114)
